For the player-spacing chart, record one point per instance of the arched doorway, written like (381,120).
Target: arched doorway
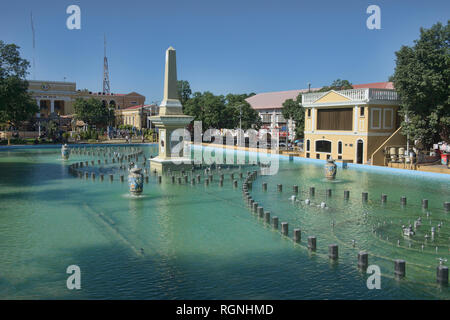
(359,151)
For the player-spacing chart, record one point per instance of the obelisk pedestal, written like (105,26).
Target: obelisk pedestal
(170,118)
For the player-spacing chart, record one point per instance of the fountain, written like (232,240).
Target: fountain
(65,151)
(330,169)
(136,181)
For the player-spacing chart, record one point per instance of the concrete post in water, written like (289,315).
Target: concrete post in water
(383,198)
(333,251)
(267,217)
(363,260)
(447,206)
(255,207)
(365,196)
(297,235)
(442,274)
(280,188)
(403,200)
(284,229)
(346,194)
(425,203)
(275,222)
(264,186)
(260,212)
(312,243)
(399,268)
(312,191)
(295,189)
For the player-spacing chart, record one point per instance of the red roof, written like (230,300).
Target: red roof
(274,100)
(375,85)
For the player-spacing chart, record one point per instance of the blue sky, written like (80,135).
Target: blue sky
(222,46)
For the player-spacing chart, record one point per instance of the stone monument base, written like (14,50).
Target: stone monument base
(175,164)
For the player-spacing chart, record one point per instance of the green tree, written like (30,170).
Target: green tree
(221,112)
(422,79)
(16,104)
(337,84)
(234,105)
(295,111)
(184,91)
(93,112)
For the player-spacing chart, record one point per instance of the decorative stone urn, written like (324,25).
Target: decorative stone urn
(136,181)
(65,152)
(330,169)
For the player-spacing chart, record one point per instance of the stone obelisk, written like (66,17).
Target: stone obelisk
(170,118)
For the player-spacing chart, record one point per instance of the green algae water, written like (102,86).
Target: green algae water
(183,241)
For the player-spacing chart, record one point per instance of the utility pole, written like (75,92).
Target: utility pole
(34,47)
(240,124)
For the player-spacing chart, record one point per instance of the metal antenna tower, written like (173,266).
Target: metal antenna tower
(106,88)
(34,47)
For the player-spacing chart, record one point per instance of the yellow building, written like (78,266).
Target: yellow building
(137,116)
(57,97)
(351,124)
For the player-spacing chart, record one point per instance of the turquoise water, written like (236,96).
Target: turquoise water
(202,242)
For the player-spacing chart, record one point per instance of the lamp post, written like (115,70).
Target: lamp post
(240,124)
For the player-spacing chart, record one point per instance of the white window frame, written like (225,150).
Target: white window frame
(342,147)
(372,110)
(384,118)
(331,148)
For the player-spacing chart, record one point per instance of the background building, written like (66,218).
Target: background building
(137,116)
(57,97)
(269,106)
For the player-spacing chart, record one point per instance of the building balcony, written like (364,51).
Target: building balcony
(361,95)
